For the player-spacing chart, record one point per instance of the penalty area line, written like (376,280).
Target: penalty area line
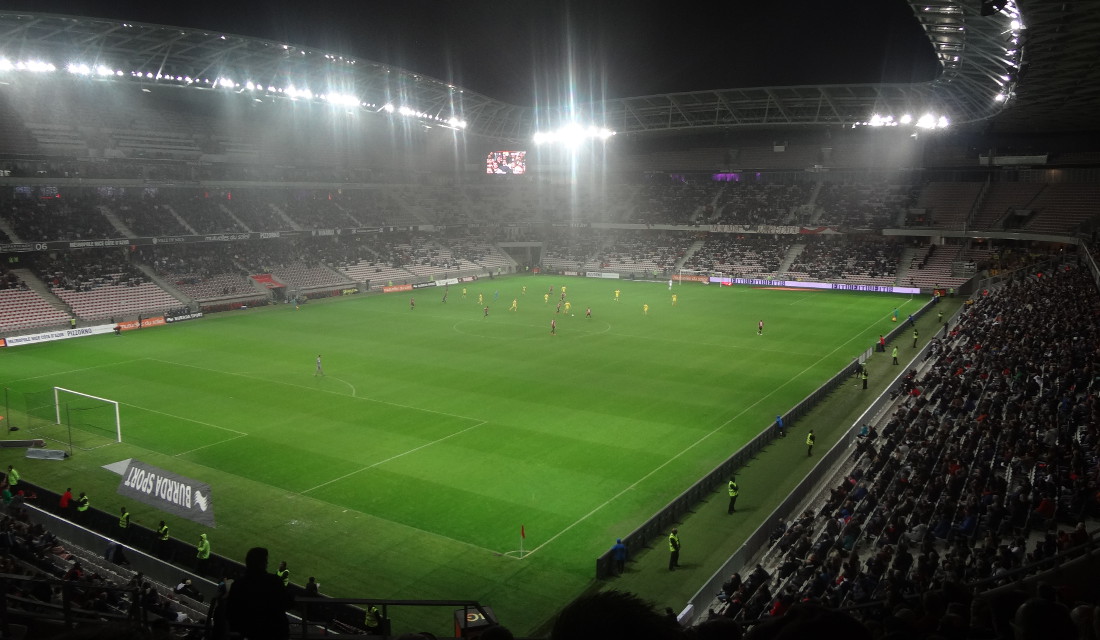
(334,505)
(314,388)
(172,415)
(63,373)
(213,444)
(394,457)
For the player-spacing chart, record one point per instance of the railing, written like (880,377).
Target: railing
(317,620)
(69,615)
(165,563)
(1044,265)
(474,615)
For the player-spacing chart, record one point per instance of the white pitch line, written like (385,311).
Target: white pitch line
(730,346)
(688,448)
(325,502)
(347,383)
(310,388)
(535,335)
(394,457)
(62,373)
(211,445)
(172,415)
(606,329)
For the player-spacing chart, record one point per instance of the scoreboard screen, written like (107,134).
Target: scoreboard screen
(506,162)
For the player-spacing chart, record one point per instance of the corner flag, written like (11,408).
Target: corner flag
(522,532)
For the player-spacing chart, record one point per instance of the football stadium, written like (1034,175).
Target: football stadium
(297,343)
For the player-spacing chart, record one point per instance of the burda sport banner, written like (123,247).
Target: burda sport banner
(167,491)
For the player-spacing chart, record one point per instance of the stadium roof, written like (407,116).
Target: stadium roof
(1028,66)
(1059,88)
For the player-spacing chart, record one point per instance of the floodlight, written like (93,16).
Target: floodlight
(927,121)
(572,134)
(341,99)
(942,122)
(388,107)
(6,65)
(906,118)
(1015,25)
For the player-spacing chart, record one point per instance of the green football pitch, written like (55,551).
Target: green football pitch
(437,432)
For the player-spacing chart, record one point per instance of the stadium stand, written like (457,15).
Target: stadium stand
(745,257)
(1062,208)
(202,272)
(147,217)
(204,214)
(758,203)
(978,478)
(870,261)
(101,285)
(644,253)
(675,200)
(861,205)
(53,217)
(933,266)
(949,203)
(1002,200)
(316,211)
(23,308)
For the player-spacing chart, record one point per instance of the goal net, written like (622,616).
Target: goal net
(88,414)
(690,276)
(73,419)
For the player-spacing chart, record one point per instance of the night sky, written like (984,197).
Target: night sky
(533,52)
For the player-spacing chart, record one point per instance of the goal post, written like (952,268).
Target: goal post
(88,411)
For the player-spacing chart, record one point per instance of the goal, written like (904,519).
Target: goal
(87,412)
(684,276)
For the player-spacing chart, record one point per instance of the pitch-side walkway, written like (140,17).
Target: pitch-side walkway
(709,536)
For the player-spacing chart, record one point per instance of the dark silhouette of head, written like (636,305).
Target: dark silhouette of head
(256,559)
(613,615)
(810,621)
(1040,618)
